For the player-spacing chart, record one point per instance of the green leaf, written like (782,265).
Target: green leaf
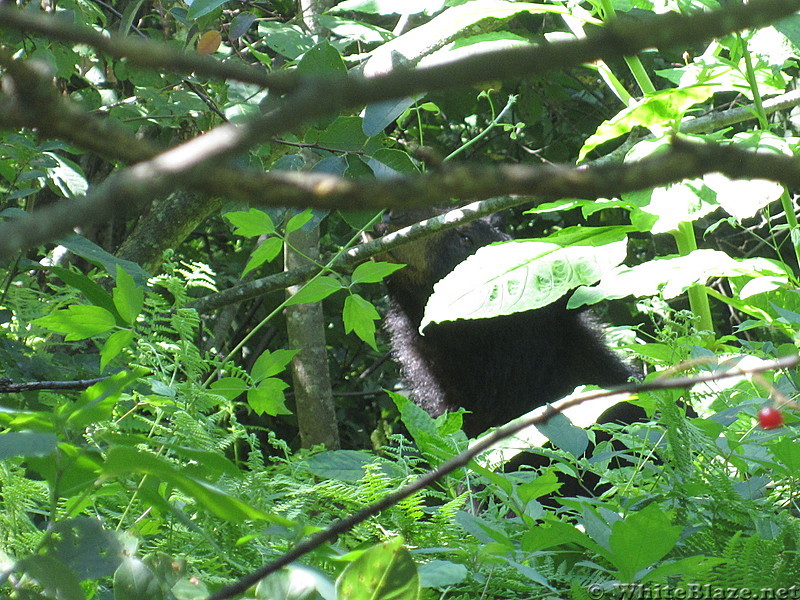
(97,256)
(344,465)
(641,540)
(668,276)
(373,272)
(128,298)
(268,397)
(240,24)
(541,486)
(297,221)
(271,363)
(116,343)
(322,59)
(296,582)
(354,30)
(123,460)
(91,290)
(387,7)
(742,198)
(560,430)
(89,550)
(440,438)
(441,574)
(388,162)
(662,108)
(359,315)
(511,277)
(229,388)
(265,252)
(556,533)
(289,40)
(199,8)
(67,177)
(251,223)
(134,580)
(26,443)
(379,115)
(345,134)
(55,578)
(78,322)
(97,402)
(384,572)
(315,290)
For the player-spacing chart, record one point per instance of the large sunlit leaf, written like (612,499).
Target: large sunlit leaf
(516,276)
(662,108)
(669,276)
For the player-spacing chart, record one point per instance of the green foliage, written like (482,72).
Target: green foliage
(180,471)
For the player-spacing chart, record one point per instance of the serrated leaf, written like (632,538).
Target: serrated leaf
(78,322)
(128,297)
(385,571)
(511,277)
(359,315)
(251,223)
(268,397)
(373,272)
(271,363)
(315,290)
(541,486)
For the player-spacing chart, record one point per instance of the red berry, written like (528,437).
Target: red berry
(769,417)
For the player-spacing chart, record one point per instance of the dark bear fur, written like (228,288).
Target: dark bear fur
(499,368)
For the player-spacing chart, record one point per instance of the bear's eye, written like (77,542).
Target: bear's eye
(464,236)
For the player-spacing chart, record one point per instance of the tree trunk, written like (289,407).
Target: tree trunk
(305,327)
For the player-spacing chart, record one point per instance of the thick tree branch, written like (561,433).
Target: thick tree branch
(541,416)
(193,164)
(510,186)
(622,37)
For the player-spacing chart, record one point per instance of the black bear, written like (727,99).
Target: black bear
(498,368)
